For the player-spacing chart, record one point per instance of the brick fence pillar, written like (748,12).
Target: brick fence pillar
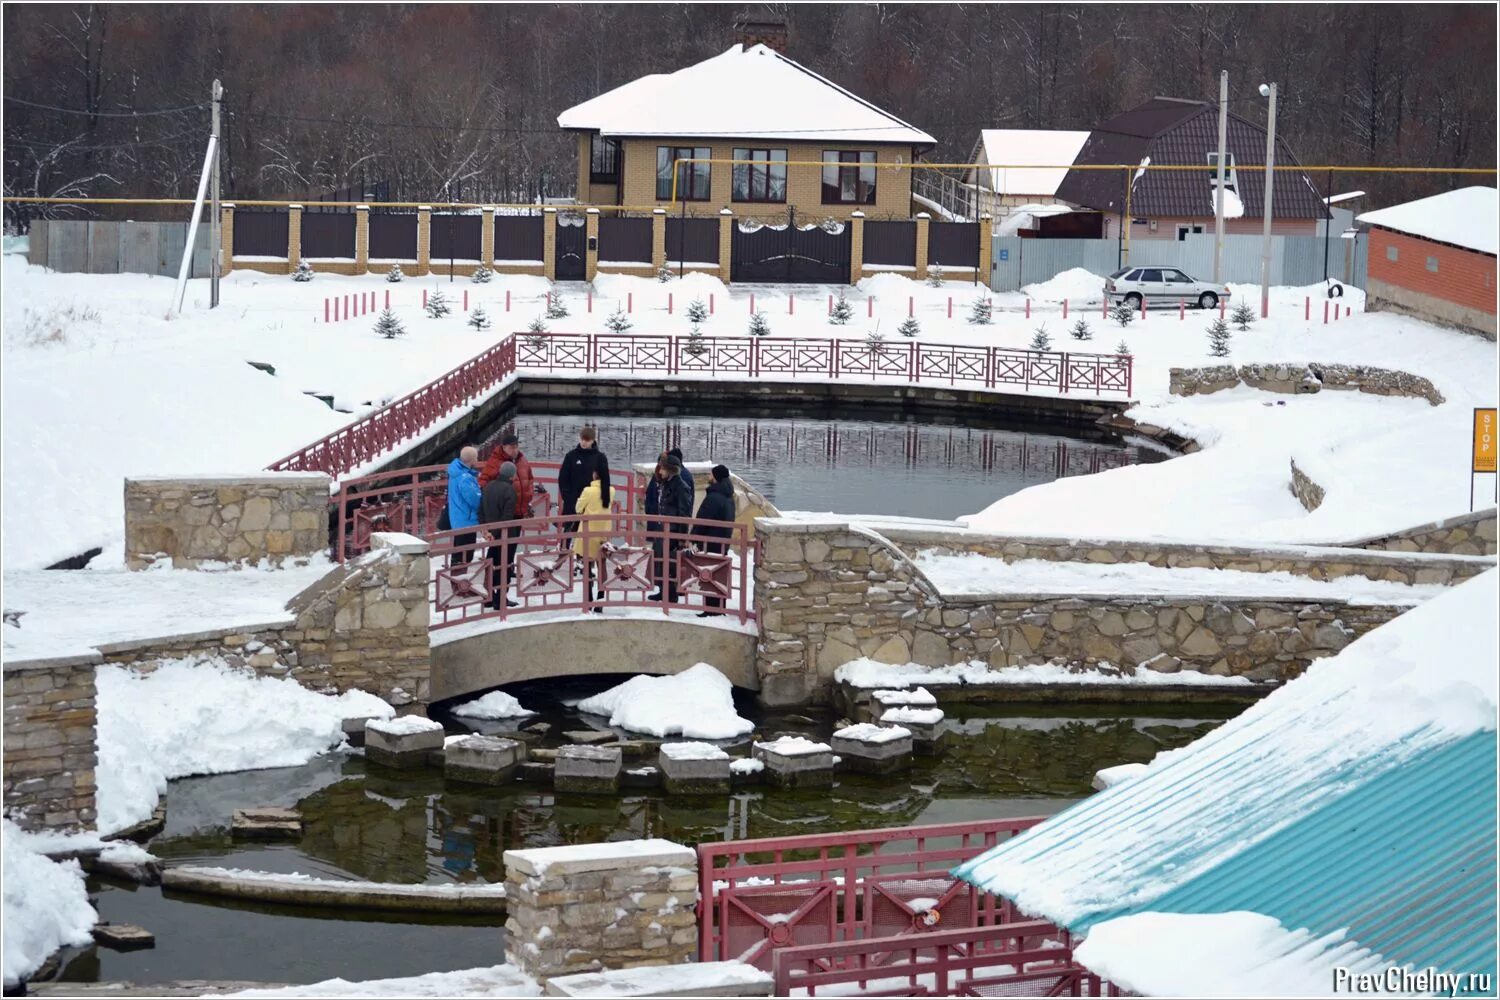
(658,238)
(726,243)
(986,249)
(856,247)
(361,239)
(293,237)
(487,237)
(923,221)
(226,239)
(549,243)
(424,239)
(591,246)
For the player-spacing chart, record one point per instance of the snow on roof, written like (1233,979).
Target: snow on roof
(1033,152)
(1340,198)
(1468,217)
(753,92)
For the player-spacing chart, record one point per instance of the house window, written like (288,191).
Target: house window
(1391,254)
(692,178)
(1432,264)
(604,160)
(763,179)
(1231,180)
(849,185)
(1184,229)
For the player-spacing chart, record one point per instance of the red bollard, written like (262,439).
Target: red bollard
(388,299)
(591,300)
(424,298)
(1336,311)
(950,307)
(911,306)
(1143,307)
(791,305)
(549,300)
(1325,312)
(752,303)
(1348,310)
(830,305)
(346,307)
(669,303)
(630,302)
(1065,308)
(1222,305)
(1106,307)
(325,309)
(507,299)
(1306,308)
(1182,309)
(710,303)
(1028,308)
(466,300)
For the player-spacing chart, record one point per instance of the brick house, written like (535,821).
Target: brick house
(750,103)
(1171,204)
(1023,168)
(1434,258)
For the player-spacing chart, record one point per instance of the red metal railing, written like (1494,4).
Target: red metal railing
(774,358)
(759,896)
(1028,958)
(557,563)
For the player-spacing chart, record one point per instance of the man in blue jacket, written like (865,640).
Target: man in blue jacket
(463,501)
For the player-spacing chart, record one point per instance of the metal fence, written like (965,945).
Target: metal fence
(1295,260)
(100,247)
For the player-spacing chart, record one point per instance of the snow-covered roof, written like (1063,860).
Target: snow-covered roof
(753,92)
(1468,217)
(1034,153)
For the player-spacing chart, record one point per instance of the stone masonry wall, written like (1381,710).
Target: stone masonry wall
(269,516)
(1308,493)
(830,593)
(592,907)
(50,753)
(1302,378)
(1470,534)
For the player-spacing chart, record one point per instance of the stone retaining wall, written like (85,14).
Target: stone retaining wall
(225,519)
(1308,493)
(1470,534)
(50,753)
(1302,378)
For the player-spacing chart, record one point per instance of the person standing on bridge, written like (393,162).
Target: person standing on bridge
(717,513)
(498,505)
(674,499)
(595,523)
(463,502)
(509,450)
(578,468)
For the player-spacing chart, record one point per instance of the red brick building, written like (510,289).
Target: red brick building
(1434,258)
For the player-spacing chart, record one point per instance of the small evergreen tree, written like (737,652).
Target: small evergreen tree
(664,274)
(876,340)
(759,327)
(479,319)
(304,271)
(1040,341)
(695,345)
(1218,338)
(536,334)
(1122,348)
(617,321)
(482,275)
(842,311)
(1123,314)
(982,311)
(1081,330)
(909,327)
(1243,316)
(556,307)
(437,304)
(394,274)
(935,276)
(388,326)
(697,312)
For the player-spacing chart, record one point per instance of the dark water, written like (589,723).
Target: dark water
(370,823)
(837,462)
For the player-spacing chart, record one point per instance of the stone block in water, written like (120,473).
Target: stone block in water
(796,762)
(873,749)
(925,725)
(266,823)
(592,770)
(403,742)
(483,760)
(694,769)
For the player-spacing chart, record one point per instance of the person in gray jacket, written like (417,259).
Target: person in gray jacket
(497,505)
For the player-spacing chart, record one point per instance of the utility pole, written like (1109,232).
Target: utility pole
(214,238)
(1268,90)
(1219,195)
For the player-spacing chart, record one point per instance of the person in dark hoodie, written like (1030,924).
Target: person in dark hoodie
(717,506)
(674,499)
(499,504)
(653,488)
(578,468)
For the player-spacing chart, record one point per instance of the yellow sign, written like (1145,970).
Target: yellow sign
(1484,440)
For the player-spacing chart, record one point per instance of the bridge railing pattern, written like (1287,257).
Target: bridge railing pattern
(1000,369)
(760,896)
(567,563)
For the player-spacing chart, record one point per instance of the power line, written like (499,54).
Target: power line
(105,114)
(140,143)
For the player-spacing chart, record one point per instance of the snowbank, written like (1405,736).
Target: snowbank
(495,705)
(867,673)
(697,703)
(204,717)
(45,904)
(1076,284)
(693,751)
(494,981)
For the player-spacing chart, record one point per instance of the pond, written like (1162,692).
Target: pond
(835,461)
(365,822)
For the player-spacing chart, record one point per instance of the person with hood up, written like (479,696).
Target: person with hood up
(594,523)
(717,506)
(509,450)
(463,501)
(674,499)
(653,488)
(498,505)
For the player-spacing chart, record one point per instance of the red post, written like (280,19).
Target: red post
(1348,310)
(752,303)
(424,298)
(1143,307)
(1325,312)
(507,299)
(388,299)
(911,306)
(830,305)
(791,305)
(1065,308)
(1106,307)
(1337,310)
(669,303)
(1182,309)
(870,307)
(466,300)
(591,300)
(950,307)
(325,309)
(1306,308)
(1222,306)
(630,302)
(710,303)
(346,307)
(1028,308)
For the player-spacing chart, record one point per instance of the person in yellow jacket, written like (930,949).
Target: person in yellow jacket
(594,517)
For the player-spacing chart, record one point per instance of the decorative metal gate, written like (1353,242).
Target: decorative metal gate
(572,247)
(791,253)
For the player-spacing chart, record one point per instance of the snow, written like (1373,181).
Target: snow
(971,573)
(495,705)
(1029,161)
(1418,683)
(1141,171)
(867,673)
(921,696)
(70,613)
(1233,207)
(746,765)
(204,717)
(583,857)
(1076,285)
(793,746)
(693,979)
(1108,777)
(404,725)
(494,981)
(697,703)
(868,732)
(45,904)
(750,92)
(1219,954)
(914,716)
(1466,217)
(392,888)
(693,751)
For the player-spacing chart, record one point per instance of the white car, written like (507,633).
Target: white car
(1159,285)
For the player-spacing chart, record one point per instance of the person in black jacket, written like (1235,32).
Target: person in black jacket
(497,505)
(717,506)
(687,477)
(674,499)
(578,468)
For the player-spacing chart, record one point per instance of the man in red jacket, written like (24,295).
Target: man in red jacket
(525,482)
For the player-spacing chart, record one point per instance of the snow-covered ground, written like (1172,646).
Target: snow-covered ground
(45,904)
(494,981)
(867,673)
(696,704)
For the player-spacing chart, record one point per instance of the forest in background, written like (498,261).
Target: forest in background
(459,102)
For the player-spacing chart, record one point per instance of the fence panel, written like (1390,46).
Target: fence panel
(104,247)
(625,240)
(953,244)
(1359,268)
(260,234)
(693,241)
(68,246)
(455,236)
(518,238)
(891,244)
(140,247)
(393,236)
(328,234)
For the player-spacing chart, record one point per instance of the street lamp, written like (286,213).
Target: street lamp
(1268,90)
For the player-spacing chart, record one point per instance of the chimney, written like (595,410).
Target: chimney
(760,28)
